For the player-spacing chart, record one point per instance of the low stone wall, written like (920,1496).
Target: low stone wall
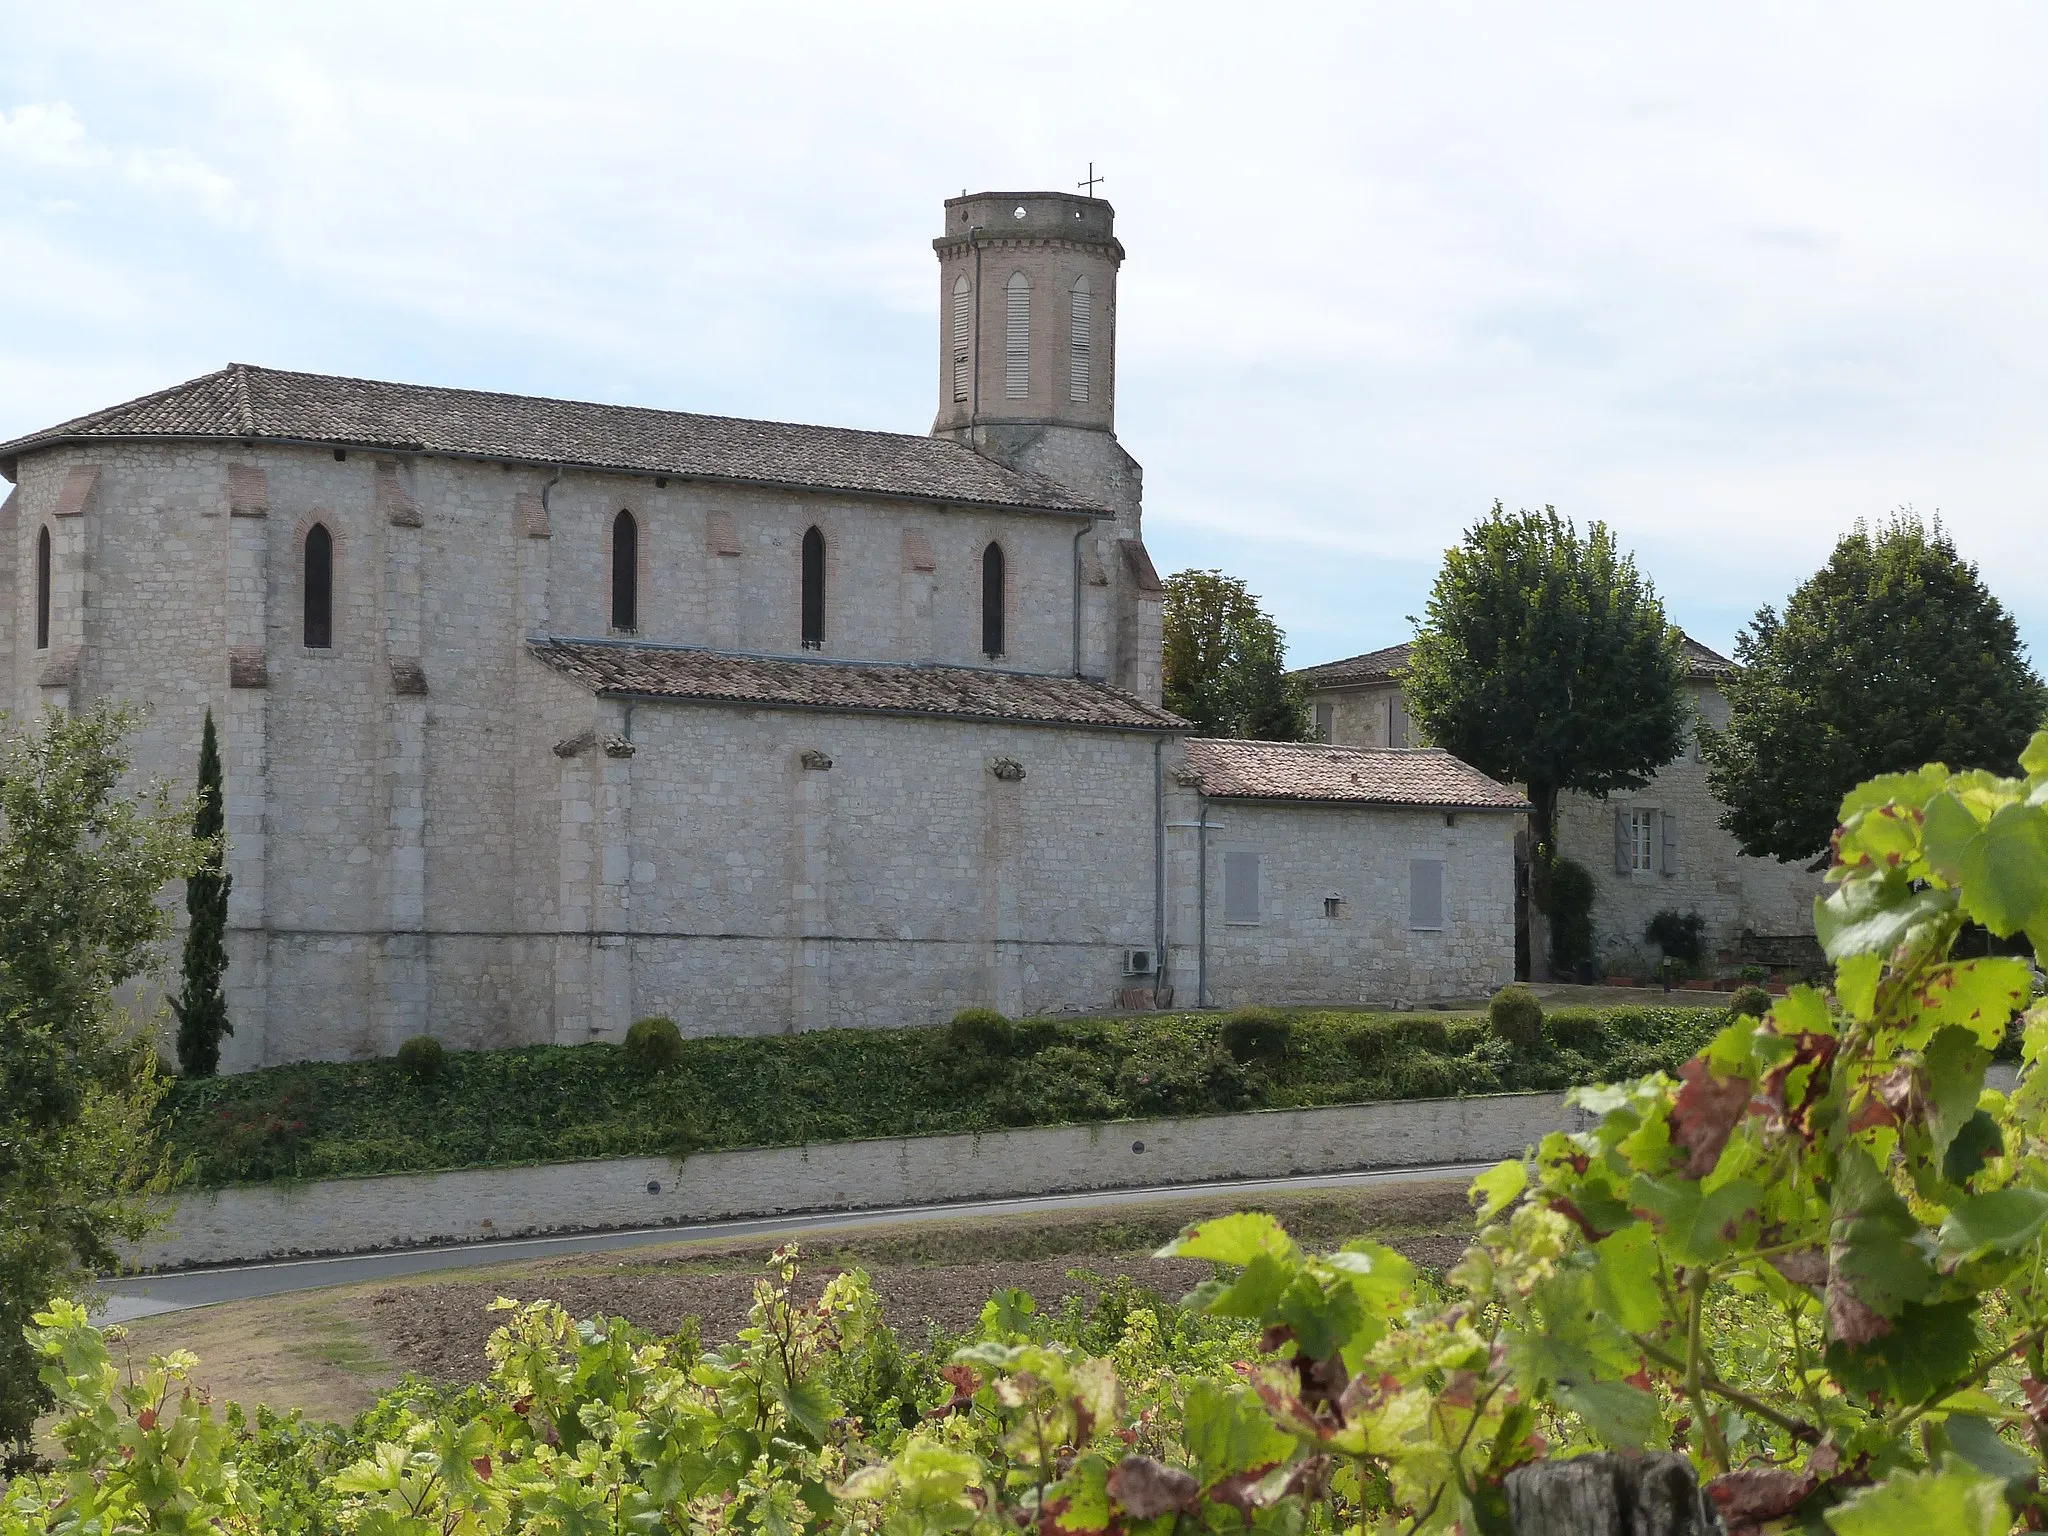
(401,1210)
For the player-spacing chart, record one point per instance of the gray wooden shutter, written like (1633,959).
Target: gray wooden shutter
(1326,722)
(1667,827)
(1624,843)
(1017,337)
(1240,887)
(1425,893)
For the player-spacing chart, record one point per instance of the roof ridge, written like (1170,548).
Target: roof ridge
(239,374)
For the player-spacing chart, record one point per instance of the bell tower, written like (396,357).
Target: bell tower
(1027,377)
(1027,339)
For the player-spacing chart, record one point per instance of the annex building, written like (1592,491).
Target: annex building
(1660,848)
(541,716)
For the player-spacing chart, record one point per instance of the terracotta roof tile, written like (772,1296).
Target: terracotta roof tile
(969,693)
(1381,666)
(246,403)
(1278,770)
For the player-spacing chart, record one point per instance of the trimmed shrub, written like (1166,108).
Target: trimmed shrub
(1575,1029)
(654,1045)
(1426,1075)
(422,1059)
(1754,1001)
(1516,1017)
(1258,1036)
(1682,936)
(1571,919)
(981,1034)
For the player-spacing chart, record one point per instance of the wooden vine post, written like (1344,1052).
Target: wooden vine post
(1609,1495)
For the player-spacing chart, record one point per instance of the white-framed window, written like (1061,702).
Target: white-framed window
(1645,841)
(1642,841)
(1426,894)
(1017,337)
(1241,894)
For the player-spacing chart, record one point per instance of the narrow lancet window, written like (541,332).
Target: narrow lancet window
(1017,337)
(625,573)
(43,590)
(992,601)
(963,335)
(1081,343)
(814,590)
(319,588)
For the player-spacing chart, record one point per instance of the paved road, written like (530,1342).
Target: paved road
(145,1295)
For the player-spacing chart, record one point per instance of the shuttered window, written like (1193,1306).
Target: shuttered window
(1425,893)
(1667,835)
(1083,337)
(1326,722)
(963,335)
(1240,887)
(1636,842)
(1017,337)
(1397,720)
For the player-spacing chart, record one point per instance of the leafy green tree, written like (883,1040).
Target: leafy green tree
(81,865)
(202,1011)
(1225,662)
(1891,655)
(1545,659)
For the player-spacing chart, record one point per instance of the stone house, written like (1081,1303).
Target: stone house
(539,716)
(1659,848)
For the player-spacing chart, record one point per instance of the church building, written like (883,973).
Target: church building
(542,716)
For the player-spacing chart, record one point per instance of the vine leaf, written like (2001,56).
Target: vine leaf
(2000,1222)
(1499,1187)
(1980,996)
(1236,1239)
(1955,1064)
(2005,871)
(1957,1500)
(1705,1113)
(1877,916)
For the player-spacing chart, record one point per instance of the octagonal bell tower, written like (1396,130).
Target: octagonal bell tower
(1027,340)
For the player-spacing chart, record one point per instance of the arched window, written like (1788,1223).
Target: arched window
(963,334)
(625,573)
(992,600)
(1081,342)
(43,590)
(319,588)
(1017,337)
(814,590)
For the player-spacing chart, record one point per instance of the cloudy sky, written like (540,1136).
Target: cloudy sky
(1729,280)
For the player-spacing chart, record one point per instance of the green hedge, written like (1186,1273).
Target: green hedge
(547,1103)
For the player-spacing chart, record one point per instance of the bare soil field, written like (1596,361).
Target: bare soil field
(330,1353)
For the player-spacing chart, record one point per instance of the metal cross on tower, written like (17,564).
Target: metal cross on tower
(1089,185)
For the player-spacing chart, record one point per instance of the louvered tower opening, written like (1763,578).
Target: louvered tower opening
(1017,337)
(963,333)
(1080,343)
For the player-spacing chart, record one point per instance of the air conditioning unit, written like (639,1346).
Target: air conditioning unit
(1138,962)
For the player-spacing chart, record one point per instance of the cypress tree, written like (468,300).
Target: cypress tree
(203,1009)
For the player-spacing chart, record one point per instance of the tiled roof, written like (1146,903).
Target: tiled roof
(1701,665)
(250,404)
(1373,667)
(1280,770)
(969,693)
